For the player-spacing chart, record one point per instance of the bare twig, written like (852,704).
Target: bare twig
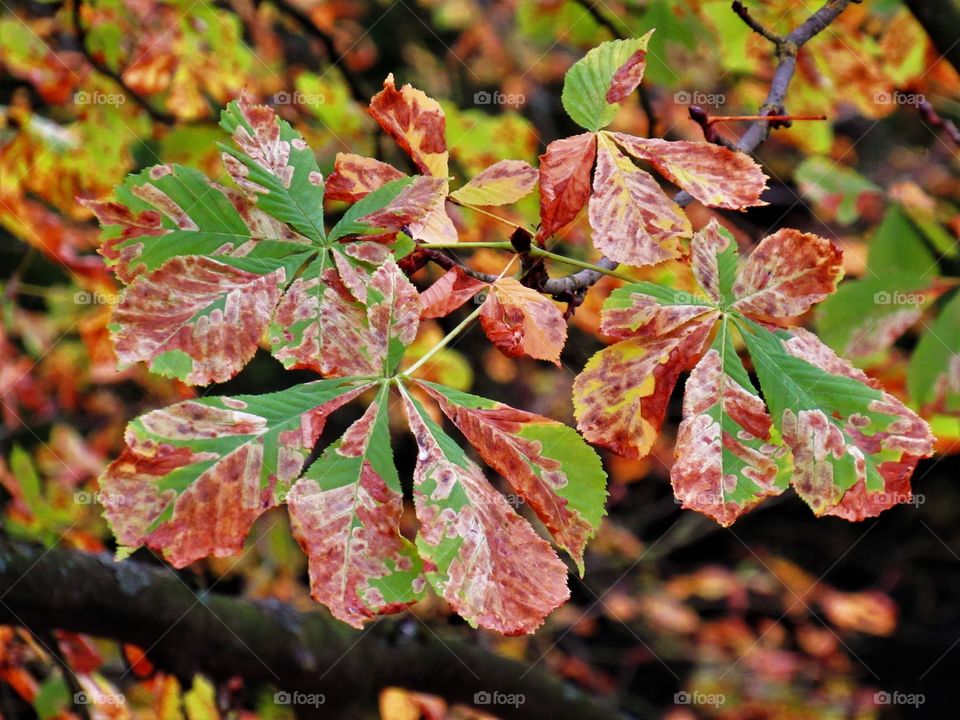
(932,118)
(741,10)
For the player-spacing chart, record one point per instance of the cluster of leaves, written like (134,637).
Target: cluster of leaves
(212,269)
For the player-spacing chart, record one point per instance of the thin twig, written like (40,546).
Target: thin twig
(741,10)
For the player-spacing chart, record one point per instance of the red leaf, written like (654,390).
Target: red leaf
(416,122)
(565,180)
(521,321)
(355,176)
(449,292)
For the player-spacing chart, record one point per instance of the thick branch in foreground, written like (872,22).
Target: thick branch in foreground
(265,642)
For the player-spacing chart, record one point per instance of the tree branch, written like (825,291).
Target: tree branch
(265,642)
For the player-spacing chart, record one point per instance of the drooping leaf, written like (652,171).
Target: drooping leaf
(633,221)
(194,476)
(321,325)
(595,85)
(714,175)
(854,446)
(521,321)
(354,177)
(274,164)
(450,291)
(934,372)
(196,319)
(479,554)
(417,124)
(345,512)
(565,180)
(168,211)
(786,274)
(726,461)
(502,183)
(547,463)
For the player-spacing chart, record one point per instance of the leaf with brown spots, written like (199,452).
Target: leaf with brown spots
(786,274)
(417,124)
(502,183)
(520,321)
(565,181)
(726,460)
(547,463)
(633,221)
(345,513)
(196,318)
(714,175)
(274,165)
(194,476)
(323,325)
(854,446)
(479,554)
(354,177)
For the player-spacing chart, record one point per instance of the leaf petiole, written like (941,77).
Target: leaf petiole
(464,324)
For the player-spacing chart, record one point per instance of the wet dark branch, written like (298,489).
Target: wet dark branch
(265,642)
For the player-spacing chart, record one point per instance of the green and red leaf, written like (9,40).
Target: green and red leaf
(547,463)
(194,476)
(726,461)
(196,318)
(345,512)
(479,554)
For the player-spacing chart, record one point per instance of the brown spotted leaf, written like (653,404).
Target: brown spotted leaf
(417,124)
(547,463)
(854,446)
(502,183)
(787,273)
(196,318)
(565,181)
(479,554)
(726,461)
(345,513)
(354,177)
(194,476)
(633,221)
(714,175)
(521,321)
(620,398)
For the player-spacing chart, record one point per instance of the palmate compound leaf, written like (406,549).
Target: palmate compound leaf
(194,476)
(853,446)
(547,463)
(345,512)
(479,554)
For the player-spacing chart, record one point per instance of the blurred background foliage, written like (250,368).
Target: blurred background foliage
(784,615)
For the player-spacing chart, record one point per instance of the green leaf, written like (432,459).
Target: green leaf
(589,81)
(897,247)
(934,372)
(275,165)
